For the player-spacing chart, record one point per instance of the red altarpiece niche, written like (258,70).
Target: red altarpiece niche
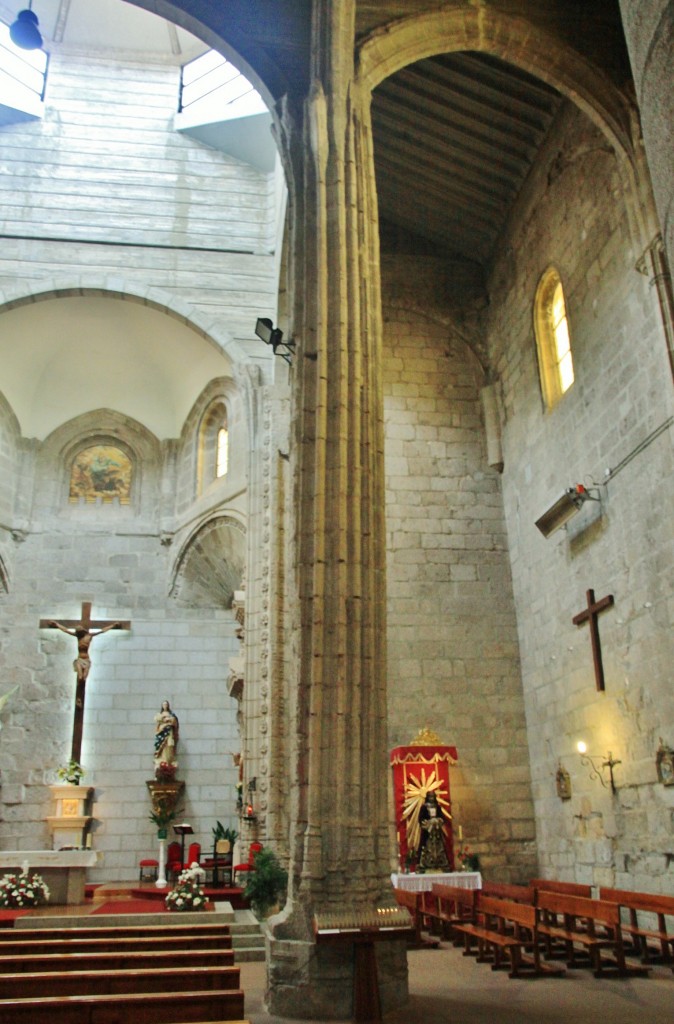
(419,769)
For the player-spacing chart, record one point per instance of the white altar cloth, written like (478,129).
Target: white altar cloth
(64,871)
(424,882)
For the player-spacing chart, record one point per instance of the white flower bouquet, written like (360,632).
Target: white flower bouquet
(23,890)
(188,893)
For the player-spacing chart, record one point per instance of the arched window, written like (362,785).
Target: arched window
(213,445)
(555,361)
(222,453)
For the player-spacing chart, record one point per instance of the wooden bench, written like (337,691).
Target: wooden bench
(507,891)
(455,905)
(594,925)
(161,979)
(412,901)
(112,945)
(566,888)
(659,908)
(148,1008)
(116,961)
(506,927)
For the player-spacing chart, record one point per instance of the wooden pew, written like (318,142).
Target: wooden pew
(566,888)
(148,1008)
(112,945)
(658,908)
(161,979)
(455,906)
(594,925)
(412,900)
(42,962)
(506,891)
(507,927)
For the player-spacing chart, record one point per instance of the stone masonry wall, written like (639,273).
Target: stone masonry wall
(453,661)
(573,215)
(113,556)
(103,192)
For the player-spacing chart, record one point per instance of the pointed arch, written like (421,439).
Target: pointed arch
(512,39)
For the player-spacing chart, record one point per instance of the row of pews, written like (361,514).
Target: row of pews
(157,974)
(531,928)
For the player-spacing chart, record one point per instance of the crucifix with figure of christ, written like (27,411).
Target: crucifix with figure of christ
(84,629)
(590,614)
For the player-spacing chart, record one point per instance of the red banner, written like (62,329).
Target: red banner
(420,770)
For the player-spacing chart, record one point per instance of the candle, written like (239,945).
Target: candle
(460,833)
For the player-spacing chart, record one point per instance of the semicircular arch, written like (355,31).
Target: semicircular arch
(154,298)
(210,565)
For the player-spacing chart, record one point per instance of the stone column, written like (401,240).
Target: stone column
(649,30)
(339,852)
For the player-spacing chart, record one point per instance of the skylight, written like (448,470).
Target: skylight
(217,85)
(23,75)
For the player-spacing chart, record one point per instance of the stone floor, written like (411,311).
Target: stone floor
(447,988)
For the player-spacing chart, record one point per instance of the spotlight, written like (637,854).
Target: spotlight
(273,336)
(571,501)
(24,32)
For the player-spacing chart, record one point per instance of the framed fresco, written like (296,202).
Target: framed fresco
(664,764)
(101,472)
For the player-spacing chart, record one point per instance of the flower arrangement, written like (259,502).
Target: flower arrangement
(468,861)
(187,894)
(165,772)
(23,890)
(71,772)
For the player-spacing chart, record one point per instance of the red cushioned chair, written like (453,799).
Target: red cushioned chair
(173,859)
(148,870)
(193,855)
(253,850)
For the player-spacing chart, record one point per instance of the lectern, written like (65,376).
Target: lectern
(183,830)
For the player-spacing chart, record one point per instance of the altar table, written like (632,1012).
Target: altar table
(64,871)
(423,882)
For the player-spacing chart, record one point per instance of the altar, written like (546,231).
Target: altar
(64,871)
(418,882)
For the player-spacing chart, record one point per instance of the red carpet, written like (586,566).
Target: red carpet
(8,917)
(131,907)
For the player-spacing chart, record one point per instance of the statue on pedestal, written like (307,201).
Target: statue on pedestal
(432,852)
(165,737)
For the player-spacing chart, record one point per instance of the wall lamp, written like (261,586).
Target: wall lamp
(273,336)
(571,501)
(249,814)
(24,32)
(597,765)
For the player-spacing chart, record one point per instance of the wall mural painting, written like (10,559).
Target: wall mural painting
(101,473)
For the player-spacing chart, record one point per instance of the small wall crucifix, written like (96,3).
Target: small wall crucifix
(84,629)
(590,614)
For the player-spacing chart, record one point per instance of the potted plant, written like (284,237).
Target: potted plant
(71,772)
(267,883)
(162,819)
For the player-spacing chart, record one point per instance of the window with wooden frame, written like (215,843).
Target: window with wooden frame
(551,326)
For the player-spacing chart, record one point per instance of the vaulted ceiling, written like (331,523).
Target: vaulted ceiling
(455,138)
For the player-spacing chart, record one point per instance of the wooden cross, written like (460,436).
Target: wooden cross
(590,614)
(85,629)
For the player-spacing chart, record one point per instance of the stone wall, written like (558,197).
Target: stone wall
(102,192)
(118,558)
(573,215)
(453,662)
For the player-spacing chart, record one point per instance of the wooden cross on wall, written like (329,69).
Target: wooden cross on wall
(84,629)
(590,614)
